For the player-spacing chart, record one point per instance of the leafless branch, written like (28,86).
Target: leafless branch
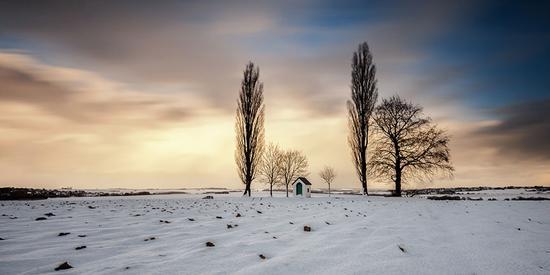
(294,165)
(327,174)
(249,126)
(271,167)
(364,94)
(408,144)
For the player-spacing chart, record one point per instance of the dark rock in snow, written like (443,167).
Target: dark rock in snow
(50,214)
(63,266)
(40,219)
(474,199)
(63,234)
(81,236)
(191,219)
(2,239)
(262,256)
(210,244)
(444,198)
(208,198)
(229,226)
(259,212)
(238,215)
(530,199)
(402,248)
(307,228)
(80,247)
(218,217)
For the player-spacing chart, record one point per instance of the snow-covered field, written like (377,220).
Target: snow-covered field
(349,235)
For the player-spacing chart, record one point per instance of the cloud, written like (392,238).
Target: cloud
(190,45)
(81,96)
(523,132)
(201,48)
(63,126)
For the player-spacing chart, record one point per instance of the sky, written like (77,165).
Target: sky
(142,94)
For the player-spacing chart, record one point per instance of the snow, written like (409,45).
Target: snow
(350,235)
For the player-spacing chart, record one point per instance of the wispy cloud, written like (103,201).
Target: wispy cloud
(522,132)
(81,96)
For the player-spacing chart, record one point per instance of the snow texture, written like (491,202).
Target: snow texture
(167,234)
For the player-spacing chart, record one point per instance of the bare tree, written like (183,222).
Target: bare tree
(249,126)
(293,165)
(328,174)
(270,169)
(364,94)
(408,144)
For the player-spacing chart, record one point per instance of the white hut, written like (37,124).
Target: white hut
(302,188)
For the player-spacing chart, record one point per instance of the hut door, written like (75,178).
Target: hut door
(299,188)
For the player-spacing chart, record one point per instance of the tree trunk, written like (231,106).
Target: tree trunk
(397,167)
(271,190)
(364,171)
(287,190)
(247,188)
(397,191)
(329,189)
(365,191)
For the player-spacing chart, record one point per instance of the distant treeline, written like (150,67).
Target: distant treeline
(448,191)
(13,193)
(430,191)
